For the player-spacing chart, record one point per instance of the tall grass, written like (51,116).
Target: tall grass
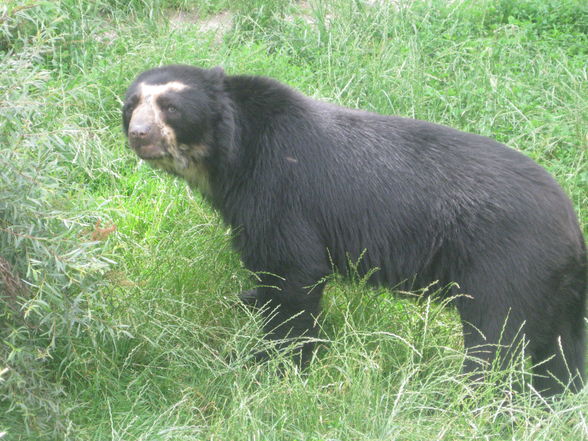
(117,314)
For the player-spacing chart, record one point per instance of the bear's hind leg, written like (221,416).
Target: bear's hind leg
(558,363)
(493,333)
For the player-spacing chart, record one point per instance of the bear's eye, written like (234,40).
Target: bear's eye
(171,109)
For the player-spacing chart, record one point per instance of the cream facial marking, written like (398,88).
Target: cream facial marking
(148,118)
(154,90)
(194,173)
(183,160)
(149,93)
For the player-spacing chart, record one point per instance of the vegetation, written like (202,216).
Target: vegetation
(117,314)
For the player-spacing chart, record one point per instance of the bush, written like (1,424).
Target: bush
(50,262)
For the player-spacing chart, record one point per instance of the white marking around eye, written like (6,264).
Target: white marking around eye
(150,92)
(191,170)
(157,89)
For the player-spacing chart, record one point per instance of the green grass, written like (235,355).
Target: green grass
(126,335)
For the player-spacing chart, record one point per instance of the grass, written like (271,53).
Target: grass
(124,323)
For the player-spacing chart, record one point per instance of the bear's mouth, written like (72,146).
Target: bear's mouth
(150,152)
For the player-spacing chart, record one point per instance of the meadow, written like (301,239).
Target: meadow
(117,283)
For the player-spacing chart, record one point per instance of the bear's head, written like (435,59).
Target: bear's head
(168,118)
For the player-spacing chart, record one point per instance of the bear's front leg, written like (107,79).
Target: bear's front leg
(290,314)
(250,298)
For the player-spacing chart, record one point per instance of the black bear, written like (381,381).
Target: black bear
(308,186)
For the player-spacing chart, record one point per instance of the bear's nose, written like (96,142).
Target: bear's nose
(139,130)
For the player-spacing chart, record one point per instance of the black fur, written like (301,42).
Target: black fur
(305,185)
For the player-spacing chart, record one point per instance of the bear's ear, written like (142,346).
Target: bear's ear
(216,73)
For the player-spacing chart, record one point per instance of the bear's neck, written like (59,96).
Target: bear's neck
(256,109)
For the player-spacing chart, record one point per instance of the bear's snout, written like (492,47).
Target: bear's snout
(145,136)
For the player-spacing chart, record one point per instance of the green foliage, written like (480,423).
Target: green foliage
(117,317)
(43,242)
(546,16)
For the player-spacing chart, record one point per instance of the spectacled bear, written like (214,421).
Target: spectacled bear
(308,186)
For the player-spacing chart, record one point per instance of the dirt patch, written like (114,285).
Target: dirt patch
(219,23)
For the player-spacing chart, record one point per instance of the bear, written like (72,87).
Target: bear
(308,186)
